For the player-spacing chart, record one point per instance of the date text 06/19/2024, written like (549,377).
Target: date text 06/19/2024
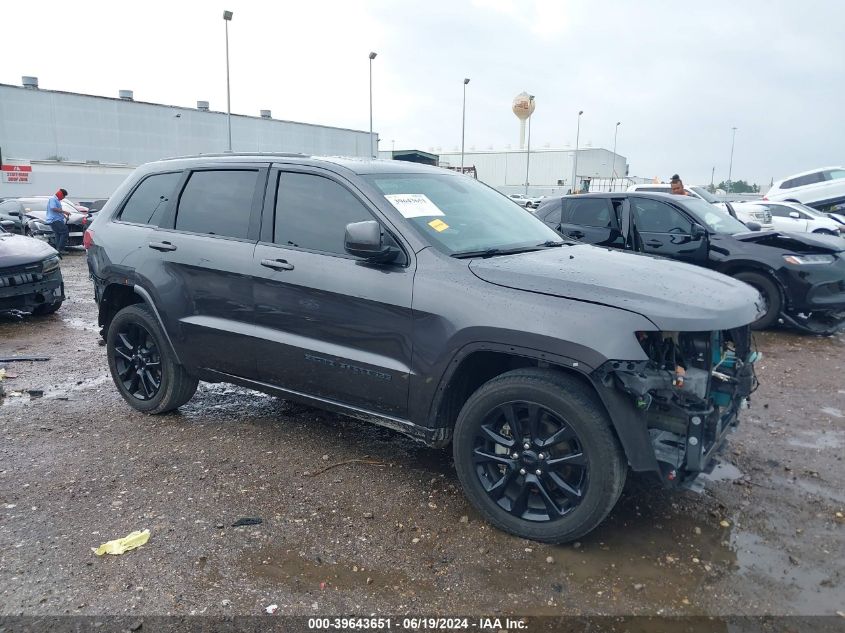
(416,624)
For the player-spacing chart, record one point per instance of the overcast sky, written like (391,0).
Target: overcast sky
(677,76)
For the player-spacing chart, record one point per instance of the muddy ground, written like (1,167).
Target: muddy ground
(79,467)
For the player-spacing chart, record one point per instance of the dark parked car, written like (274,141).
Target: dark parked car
(424,301)
(30,215)
(801,276)
(30,277)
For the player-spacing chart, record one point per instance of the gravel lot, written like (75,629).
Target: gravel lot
(79,467)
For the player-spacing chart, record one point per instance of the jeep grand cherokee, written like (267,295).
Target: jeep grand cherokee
(424,301)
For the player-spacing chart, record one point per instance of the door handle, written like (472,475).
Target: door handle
(276,264)
(162,246)
(654,243)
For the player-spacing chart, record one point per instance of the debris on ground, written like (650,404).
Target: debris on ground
(121,545)
(272,609)
(344,462)
(16,359)
(247,521)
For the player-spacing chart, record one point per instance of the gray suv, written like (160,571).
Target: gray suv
(424,301)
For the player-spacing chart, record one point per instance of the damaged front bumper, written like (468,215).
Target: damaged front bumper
(24,290)
(679,405)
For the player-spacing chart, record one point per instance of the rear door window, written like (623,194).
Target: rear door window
(549,212)
(149,200)
(312,213)
(653,216)
(588,212)
(217,202)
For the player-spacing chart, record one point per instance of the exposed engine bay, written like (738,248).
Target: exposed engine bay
(690,392)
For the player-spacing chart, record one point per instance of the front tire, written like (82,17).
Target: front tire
(537,457)
(142,366)
(771,295)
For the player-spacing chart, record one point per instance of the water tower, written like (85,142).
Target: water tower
(523,107)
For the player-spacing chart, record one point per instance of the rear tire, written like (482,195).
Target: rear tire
(571,445)
(142,366)
(771,295)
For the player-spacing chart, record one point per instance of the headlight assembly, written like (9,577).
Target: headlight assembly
(805,260)
(41,227)
(50,264)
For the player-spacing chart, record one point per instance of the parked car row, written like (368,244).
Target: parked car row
(29,217)
(800,276)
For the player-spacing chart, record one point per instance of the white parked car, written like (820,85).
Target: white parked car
(526,201)
(795,217)
(745,212)
(822,189)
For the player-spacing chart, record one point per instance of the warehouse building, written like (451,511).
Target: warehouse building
(549,170)
(89,144)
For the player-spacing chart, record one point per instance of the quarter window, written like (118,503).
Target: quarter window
(312,213)
(149,200)
(217,202)
(652,216)
(835,174)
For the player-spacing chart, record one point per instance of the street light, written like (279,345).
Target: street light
(227,17)
(575,159)
(528,150)
(463,123)
(372,150)
(613,173)
(731,164)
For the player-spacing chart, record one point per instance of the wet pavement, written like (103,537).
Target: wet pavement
(391,532)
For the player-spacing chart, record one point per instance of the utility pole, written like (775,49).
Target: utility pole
(575,157)
(712,175)
(731,164)
(373,153)
(463,123)
(227,17)
(528,150)
(613,173)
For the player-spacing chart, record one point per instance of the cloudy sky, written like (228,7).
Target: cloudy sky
(678,75)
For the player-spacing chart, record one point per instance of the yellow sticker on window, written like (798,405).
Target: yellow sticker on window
(438,225)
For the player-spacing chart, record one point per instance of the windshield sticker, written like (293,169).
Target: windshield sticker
(413,205)
(438,225)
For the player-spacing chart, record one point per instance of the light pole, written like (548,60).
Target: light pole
(372,151)
(731,163)
(712,175)
(613,172)
(575,158)
(528,150)
(463,123)
(227,17)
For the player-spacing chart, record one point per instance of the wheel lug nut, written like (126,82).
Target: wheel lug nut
(515,456)
(526,446)
(542,456)
(538,472)
(521,471)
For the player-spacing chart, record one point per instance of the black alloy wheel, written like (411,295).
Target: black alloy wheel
(530,461)
(138,361)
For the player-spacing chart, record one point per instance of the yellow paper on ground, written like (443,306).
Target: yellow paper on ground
(120,545)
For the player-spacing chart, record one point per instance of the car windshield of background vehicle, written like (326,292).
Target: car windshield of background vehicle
(701,191)
(34,205)
(714,218)
(459,215)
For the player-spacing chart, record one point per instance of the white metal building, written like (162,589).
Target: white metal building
(549,170)
(88,144)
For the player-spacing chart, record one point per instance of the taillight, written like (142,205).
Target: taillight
(88,239)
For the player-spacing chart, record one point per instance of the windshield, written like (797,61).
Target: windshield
(716,220)
(34,205)
(457,214)
(706,195)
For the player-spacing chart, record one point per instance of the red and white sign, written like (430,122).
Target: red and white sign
(16,173)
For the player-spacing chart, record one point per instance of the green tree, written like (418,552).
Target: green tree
(739,186)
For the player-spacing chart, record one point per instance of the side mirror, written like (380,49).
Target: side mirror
(15,213)
(698,231)
(795,215)
(363,239)
(753,226)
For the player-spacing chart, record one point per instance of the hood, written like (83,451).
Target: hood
(672,295)
(17,250)
(41,216)
(796,242)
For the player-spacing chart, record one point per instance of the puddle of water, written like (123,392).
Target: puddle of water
(757,560)
(836,413)
(812,487)
(722,472)
(817,439)
(18,398)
